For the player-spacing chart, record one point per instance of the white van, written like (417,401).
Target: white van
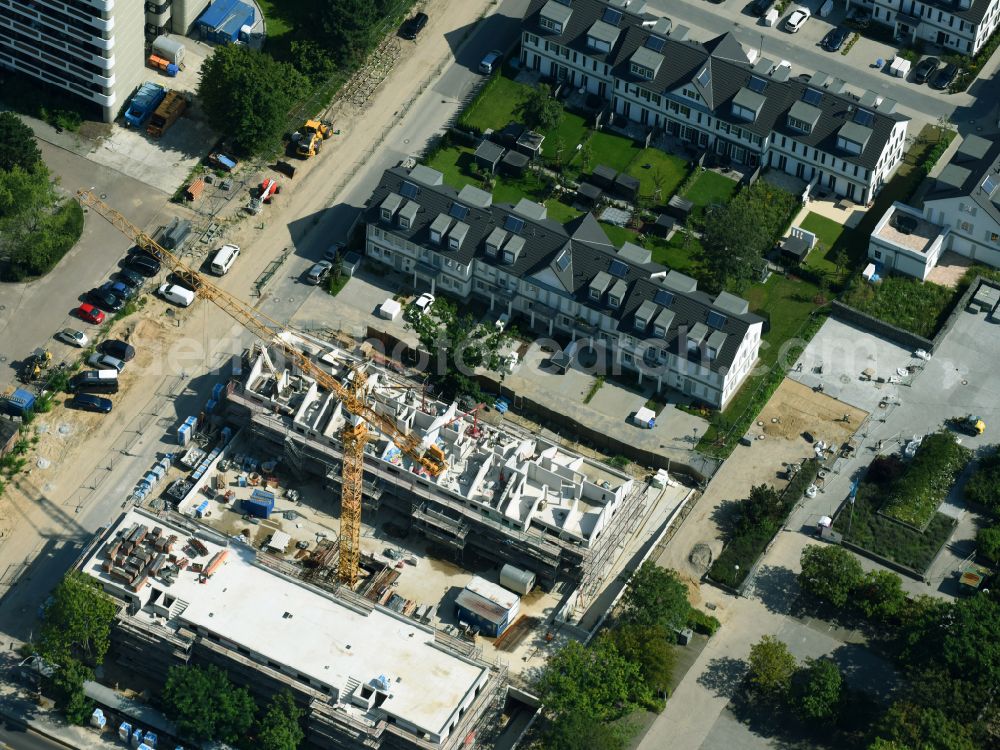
(224,259)
(176,294)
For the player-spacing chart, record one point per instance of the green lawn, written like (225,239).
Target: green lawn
(453,162)
(567,135)
(681,253)
(711,187)
(276,17)
(831,239)
(619,235)
(561,212)
(651,165)
(496,105)
(612,150)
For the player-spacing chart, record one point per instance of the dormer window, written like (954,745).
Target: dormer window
(747,105)
(554,16)
(456,236)
(660,331)
(386,214)
(508,256)
(549,24)
(805,127)
(614,301)
(641,71)
(640,323)
(404,223)
(849,146)
(595,294)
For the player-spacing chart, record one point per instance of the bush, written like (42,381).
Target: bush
(983,487)
(915,497)
(39,251)
(703,623)
(988,543)
(907,303)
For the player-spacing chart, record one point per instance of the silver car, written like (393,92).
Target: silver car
(73,337)
(105,362)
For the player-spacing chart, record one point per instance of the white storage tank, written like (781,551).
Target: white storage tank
(169,49)
(517,580)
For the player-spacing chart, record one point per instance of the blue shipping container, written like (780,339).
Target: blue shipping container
(144,103)
(19,402)
(258,508)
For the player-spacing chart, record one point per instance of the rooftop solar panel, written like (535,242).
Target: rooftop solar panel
(618,268)
(812,96)
(458,211)
(513,224)
(408,190)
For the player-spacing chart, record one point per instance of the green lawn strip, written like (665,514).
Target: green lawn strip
(681,253)
(559,211)
(863,525)
(454,163)
(612,150)
(903,301)
(619,235)
(276,18)
(914,497)
(496,104)
(567,135)
(710,187)
(652,164)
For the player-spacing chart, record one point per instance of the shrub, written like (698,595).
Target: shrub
(703,623)
(915,497)
(983,486)
(988,543)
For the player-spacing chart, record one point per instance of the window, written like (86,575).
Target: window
(612,16)
(458,211)
(805,127)
(548,23)
(642,71)
(618,268)
(595,294)
(664,298)
(877,254)
(812,96)
(386,214)
(408,190)
(690,93)
(685,111)
(513,224)
(849,146)
(716,320)
(993,236)
(613,301)
(965,226)
(508,256)
(404,223)
(757,84)
(435,237)
(655,43)
(453,243)
(966,208)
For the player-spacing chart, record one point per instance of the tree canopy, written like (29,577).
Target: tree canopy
(771,665)
(76,622)
(206,705)
(983,486)
(649,647)
(17,144)
(281,726)
(880,595)
(817,690)
(988,543)
(575,731)
(595,682)
(540,110)
(248,95)
(830,573)
(655,597)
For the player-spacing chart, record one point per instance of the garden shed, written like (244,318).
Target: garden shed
(604,177)
(665,224)
(488,155)
(514,163)
(530,143)
(679,207)
(588,194)
(627,186)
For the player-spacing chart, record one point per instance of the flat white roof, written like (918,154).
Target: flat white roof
(311,633)
(493,592)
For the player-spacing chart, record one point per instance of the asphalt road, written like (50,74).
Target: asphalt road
(17,737)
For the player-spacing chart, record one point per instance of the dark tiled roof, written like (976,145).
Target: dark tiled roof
(727,72)
(590,253)
(975,160)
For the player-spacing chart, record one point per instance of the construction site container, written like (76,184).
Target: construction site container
(98,719)
(169,49)
(163,65)
(171,108)
(124,731)
(260,504)
(150,739)
(222,21)
(18,402)
(516,579)
(136,738)
(144,103)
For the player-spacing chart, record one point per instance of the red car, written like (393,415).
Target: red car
(90,313)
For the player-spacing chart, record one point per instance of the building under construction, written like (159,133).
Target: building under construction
(366,675)
(507,495)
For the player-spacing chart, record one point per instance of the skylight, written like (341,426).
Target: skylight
(513,224)
(618,268)
(757,84)
(562,262)
(704,77)
(812,96)
(655,43)
(664,298)
(716,320)
(612,16)
(864,117)
(408,190)
(990,184)
(458,211)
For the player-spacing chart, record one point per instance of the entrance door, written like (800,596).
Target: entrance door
(602,89)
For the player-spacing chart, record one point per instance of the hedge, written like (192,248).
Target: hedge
(745,547)
(914,497)
(702,623)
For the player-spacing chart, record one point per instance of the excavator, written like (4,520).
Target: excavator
(31,368)
(311,136)
(353,393)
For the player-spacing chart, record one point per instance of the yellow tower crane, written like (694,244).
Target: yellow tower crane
(353,394)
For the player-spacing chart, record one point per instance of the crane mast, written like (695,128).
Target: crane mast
(353,395)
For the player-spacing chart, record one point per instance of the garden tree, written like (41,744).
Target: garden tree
(830,573)
(655,597)
(311,60)
(651,648)
(539,110)
(983,486)
(346,28)
(919,618)
(753,512)
(596,682)
(919,727)
(967,640)
(76,622)
(206,705)
(280,728)
(457,344)
(880,595)
(934,687)
(17,144)
(578,730)
(817,690)
(988,543)
(771,666)
(881,744)
(735,236)
(247,95)
(66,685)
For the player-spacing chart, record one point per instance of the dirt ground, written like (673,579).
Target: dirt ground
(793,410)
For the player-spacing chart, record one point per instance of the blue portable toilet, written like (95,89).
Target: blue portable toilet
(217,390)
(150,739)
(124,731)
(136,737)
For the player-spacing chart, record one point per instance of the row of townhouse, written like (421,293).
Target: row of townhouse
(567,281)
(962,26)
(713,95)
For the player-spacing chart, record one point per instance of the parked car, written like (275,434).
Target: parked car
(91,314)
(106,300)
(73,337)
(131,279)
(90,402)
(118,349)
(490,61)
(944,77)
(835,38)
(423,303)
(143,264)
(759,8)
(925,69)
(797,20)
(105,362)
(318,272)
(413,26)
(118,288)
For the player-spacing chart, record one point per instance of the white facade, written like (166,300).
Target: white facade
(974,232)
(962,27)
(905,243)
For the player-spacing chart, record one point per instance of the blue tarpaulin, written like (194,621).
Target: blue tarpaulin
(222,20)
